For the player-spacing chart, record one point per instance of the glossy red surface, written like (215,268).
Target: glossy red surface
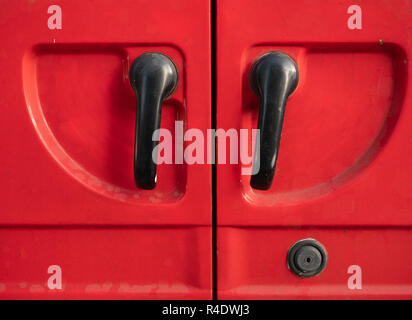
(67,138)
(343,175)
(66,151)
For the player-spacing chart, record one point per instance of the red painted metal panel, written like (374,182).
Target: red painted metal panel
(67,135)
(106,262)
(345,154)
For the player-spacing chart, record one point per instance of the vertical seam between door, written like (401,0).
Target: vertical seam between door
(213,111)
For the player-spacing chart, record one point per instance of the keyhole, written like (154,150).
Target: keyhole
(308,260)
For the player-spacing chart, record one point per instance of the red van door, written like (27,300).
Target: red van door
(329,213)
(73,222)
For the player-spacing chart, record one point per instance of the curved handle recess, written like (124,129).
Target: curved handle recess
(273,77)
(154,77)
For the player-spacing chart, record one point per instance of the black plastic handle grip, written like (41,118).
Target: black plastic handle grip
(273,77)
(154,77)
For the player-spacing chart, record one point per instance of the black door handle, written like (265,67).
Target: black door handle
(273,77)
(154,77)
